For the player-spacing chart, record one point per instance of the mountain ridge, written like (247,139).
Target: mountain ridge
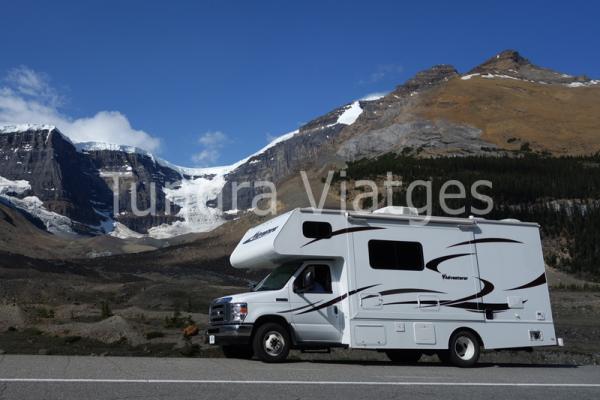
(498,107)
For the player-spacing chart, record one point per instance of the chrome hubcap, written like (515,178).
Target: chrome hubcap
(273,343)
(464,348)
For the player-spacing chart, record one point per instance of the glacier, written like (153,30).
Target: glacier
(54,222)
(197,186)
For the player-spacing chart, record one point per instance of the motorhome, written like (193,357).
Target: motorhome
(388,280)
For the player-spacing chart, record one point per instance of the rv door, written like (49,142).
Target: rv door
(315,312)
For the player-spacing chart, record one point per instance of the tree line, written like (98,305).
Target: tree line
(562,194)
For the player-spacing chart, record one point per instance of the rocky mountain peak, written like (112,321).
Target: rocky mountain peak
(505,61)
(510,63)
(426,78)
(20,128)
(22,133)
(61,178)
(431,76)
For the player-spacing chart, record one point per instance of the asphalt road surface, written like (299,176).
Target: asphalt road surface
(59,377)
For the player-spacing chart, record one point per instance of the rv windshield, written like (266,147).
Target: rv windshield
(278,278)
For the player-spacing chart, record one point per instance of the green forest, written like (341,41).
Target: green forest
(562,194)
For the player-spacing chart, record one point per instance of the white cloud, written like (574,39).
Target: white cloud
(112,127)
(27,82)
(28,97)
(213,139)
(212,143)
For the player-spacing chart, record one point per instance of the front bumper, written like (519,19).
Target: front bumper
(230,334)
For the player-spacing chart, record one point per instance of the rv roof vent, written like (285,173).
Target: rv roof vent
(510,220)
(397,210)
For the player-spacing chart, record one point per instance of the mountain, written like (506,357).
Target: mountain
(70,186)
(498,107)
(54,173)
(502,106)
(135,170)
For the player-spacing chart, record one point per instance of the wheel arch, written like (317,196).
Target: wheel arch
(465,328)
(263,319)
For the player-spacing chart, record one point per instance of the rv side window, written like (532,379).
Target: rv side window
(316,230)
(391,254)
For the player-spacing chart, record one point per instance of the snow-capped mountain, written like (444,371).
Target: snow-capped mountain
(55,177)
(68,186)
(193,192)
(498,106)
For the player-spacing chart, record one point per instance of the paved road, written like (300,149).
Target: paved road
(58,377)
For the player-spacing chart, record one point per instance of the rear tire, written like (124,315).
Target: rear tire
(243,352)
(464,349)
(405,356)
(271,342)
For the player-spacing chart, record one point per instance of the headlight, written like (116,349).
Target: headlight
(239,311)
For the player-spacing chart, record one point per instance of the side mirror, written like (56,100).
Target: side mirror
(304,282)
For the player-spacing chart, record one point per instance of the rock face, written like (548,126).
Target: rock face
(389,124)
(424,79)
(66,181)
(302,151)
(141,175)
(419,134)
(79,184)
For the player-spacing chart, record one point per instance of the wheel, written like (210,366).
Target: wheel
(406,356)
(244,352)
(464,349)
(271,343)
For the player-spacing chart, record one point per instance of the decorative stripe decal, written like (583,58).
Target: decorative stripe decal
(337,299)
(299,308)
(402,302)
(401,291)
(485,240)
(472,306)
(344,231)
(482,307)
(540,280)
(487,289)
(433,264)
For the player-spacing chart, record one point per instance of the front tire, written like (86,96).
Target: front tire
(243,352)
(464,349)
(405,356)
(271,343)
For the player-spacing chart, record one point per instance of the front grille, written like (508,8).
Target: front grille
(219,313)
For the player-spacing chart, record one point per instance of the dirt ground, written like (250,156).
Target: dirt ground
(95,312)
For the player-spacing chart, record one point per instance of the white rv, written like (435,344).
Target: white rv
(390,281)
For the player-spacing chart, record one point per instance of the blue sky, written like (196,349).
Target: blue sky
(209,82)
